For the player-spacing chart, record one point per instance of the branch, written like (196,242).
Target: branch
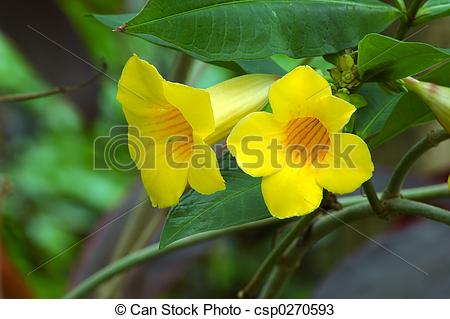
(373,199)
(54,91)
(152,252)
(141,226)
(291,260)
(293,256)
(401,170)
(258,278)
(407,23)
(401,5)
(325,224)
(412,208)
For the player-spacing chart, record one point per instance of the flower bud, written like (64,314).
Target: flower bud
(233,99)
(435,96)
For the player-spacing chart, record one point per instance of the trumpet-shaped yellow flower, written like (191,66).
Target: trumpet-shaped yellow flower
(435,96)
(171,127)
(299,149)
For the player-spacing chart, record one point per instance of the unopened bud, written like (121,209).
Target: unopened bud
(435,96)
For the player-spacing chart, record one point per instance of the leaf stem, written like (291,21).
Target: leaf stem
(401,170)
(407,23)
(258,278)
(401,5)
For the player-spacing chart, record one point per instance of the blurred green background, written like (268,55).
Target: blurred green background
(51,198)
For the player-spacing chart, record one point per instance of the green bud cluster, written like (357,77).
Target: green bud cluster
(346,78)
(345,74)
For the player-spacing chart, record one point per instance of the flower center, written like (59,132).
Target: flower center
(307,140)
(171,129)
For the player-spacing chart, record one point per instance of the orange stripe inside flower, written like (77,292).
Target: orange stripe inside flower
(168,129)
(178,135)
(172,125)
(306,140)
(307,121)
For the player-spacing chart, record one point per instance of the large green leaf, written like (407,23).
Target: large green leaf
(432,9)
(384,58)
(223,30)
(268,65)
(411,110)
(240,203)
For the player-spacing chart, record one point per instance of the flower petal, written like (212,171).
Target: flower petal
(204,174)
(252,141)
(140,88)
(348,162)
(289,94)
(235,98)
(291,192)
(194,104)
(164,183)
(332,112)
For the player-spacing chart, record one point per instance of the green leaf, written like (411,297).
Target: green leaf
(358,100)
(113,21)
(411,110)
(383,58)
(223,30)
(268,65)
(432,9)
(240,203)
(380,104)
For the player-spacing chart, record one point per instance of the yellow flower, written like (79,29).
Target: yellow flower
(300,149)
(171,127)
(436,97)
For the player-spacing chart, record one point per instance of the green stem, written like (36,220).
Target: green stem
(139,229)
(412,208)
(407,23)
(141,225)
(420,193)
(292,258)
(401,5)
(258,278)
(351,214)
(426,192)
(373,198)
(417,193)
(152,252)
(401,170)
